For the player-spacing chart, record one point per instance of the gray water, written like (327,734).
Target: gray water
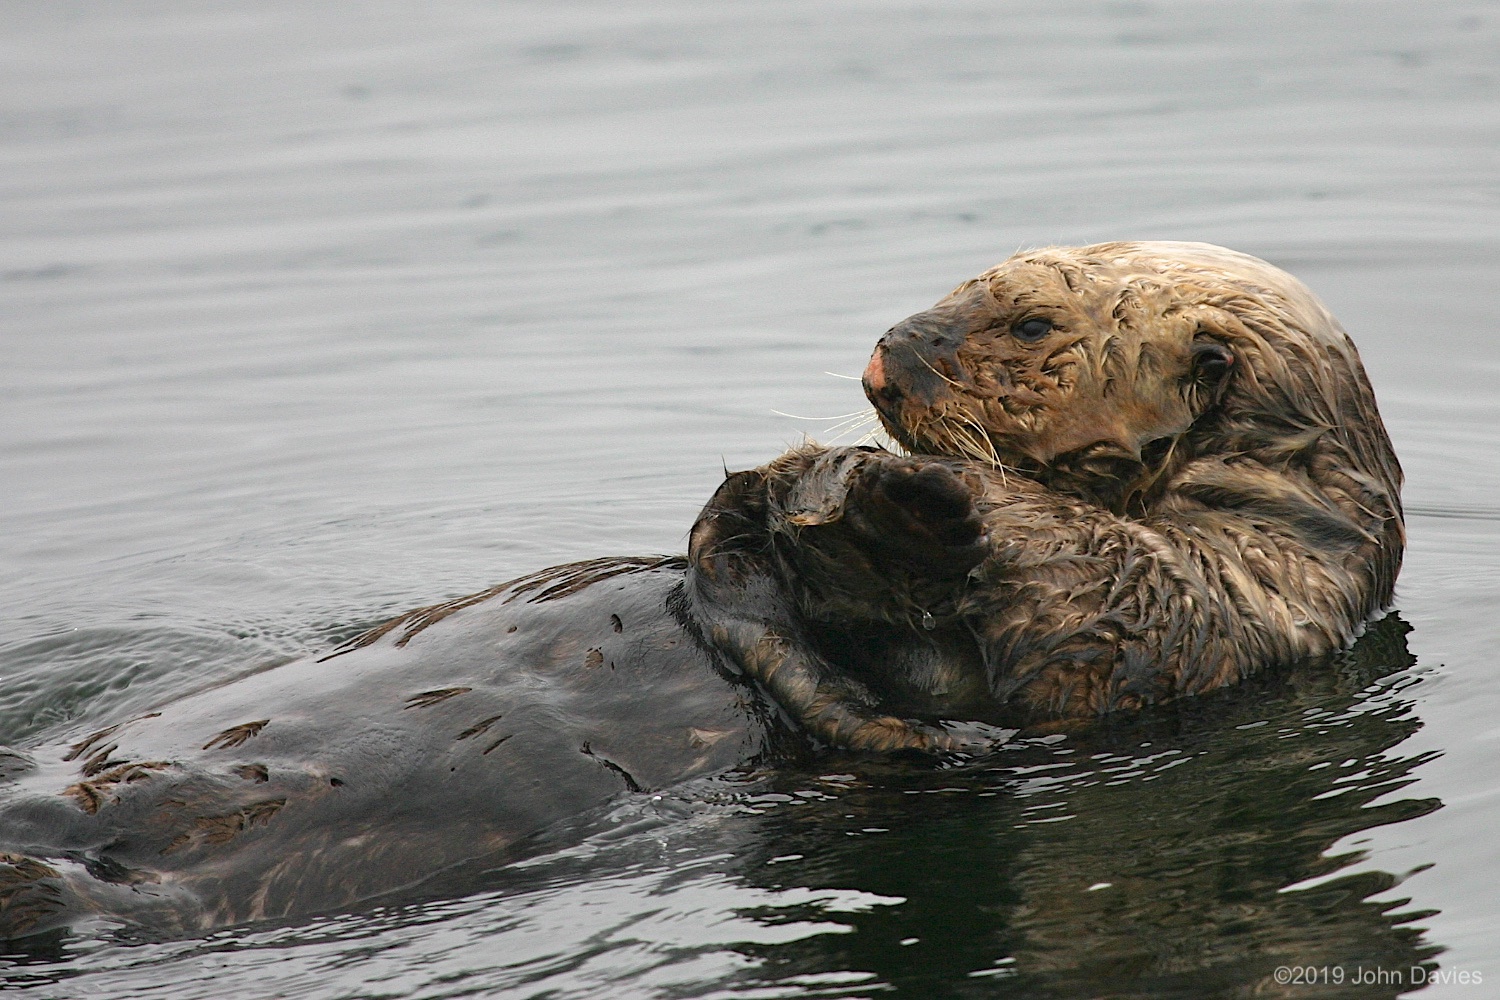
(316,312)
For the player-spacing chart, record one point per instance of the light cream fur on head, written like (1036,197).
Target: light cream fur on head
(1135,471)
(1131,382)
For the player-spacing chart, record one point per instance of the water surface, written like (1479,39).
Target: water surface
(314,313)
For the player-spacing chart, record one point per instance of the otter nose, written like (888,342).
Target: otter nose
(874,378)
(916,359)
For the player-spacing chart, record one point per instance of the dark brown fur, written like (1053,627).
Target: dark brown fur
(447,737)
(1184,481)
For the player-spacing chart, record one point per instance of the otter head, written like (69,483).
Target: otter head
(1085,369)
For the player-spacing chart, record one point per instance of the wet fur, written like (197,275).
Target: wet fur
(1031,561)
(1148,532)
(447,737)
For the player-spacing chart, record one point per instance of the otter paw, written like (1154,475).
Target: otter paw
(920,514)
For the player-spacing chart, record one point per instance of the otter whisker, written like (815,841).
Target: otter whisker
(860,419)
(846,427)
(841,416)
(973,442)
(983,438)
(881,438)
(878,435)
(971,448)
(857,426)
(847,423)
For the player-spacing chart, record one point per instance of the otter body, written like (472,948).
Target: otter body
(446,736)
(1134,472)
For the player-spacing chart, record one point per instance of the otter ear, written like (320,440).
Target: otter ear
(1212,361)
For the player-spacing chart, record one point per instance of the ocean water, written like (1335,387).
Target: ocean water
(313,313)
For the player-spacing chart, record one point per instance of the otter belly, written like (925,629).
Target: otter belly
(447,735)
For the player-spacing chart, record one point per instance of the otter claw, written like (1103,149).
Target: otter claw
(921,514)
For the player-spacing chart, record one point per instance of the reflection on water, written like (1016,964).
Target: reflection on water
(1150,857)
(1145,859)
(316,314)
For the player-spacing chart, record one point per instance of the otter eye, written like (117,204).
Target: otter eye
(1031,330)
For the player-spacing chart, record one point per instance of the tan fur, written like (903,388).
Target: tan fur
(1151,532)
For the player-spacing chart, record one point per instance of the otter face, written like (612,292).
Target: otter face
(1084,372)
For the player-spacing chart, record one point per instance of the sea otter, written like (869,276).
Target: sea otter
(1133,472)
